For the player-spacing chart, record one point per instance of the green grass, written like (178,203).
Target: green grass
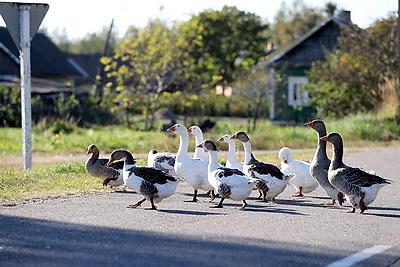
(50,179)
(47,181)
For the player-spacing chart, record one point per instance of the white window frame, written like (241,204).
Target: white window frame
(297,97)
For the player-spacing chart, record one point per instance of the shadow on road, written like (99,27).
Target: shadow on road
(32,242)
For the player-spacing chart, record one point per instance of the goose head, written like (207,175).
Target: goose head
(177,128)
(120,154)
(224,138)
(195,130)
(92,149)
(241,136)
(285,155)
(207,145)
(333,138)
(317,125)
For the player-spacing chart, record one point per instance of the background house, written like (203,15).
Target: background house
(289,104)
(53,72)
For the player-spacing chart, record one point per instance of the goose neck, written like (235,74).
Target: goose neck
(213,161)
(247,151)
(337,157)
(183,145)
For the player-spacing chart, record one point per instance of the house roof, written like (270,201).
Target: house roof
(284,51)
(41,86)
(47,61)
(90,64)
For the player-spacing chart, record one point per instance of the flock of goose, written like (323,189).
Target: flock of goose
(236,180)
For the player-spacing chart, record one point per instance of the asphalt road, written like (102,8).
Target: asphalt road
(98,230)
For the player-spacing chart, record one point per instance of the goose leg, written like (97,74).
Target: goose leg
(298,193)
(340,198)
(352,210)
(244,205)
(264,198)
(212,195)
(194,197)
(219,204)
(137,204)
(330,203)
(260,194)
(107,180)
(153,207)
(363,207)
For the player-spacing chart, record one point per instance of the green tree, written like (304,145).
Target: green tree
(297,20)
(216,46)
(143,67)
(348,81)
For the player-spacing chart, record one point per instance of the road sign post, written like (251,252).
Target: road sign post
(23,21)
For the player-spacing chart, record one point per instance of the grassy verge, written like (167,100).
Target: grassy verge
(47,181)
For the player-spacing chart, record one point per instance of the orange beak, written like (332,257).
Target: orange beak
(309,124)
(220,139)
(110,161)
(89,151)
(285,161)
(325,138)
(199,146)
(233,137)
(190,130)
(171,129)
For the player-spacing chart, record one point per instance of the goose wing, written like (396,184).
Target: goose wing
(362,178)
(265,168)
(151,175)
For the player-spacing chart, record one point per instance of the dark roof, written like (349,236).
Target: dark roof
(310,47)
(47,61)
(41,86)
(90,64)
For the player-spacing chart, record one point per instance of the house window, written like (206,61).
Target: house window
(296,96)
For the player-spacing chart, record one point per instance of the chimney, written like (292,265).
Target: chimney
(345,16)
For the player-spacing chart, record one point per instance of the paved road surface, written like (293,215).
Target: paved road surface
(98,230)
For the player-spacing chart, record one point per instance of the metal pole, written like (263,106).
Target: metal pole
(25,59)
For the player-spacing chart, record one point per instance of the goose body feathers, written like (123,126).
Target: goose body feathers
(153,184)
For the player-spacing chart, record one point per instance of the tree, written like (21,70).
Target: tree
(349,80)
(143,67)
(290,22)
(216,46)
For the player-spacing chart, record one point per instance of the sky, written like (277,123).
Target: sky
(80,17)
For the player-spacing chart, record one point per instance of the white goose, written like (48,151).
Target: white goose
(302,180)
(198,135)
(360,187)
(228,182)
(164,161)
(271,181)
(231,161)
(193,170)
(155,185)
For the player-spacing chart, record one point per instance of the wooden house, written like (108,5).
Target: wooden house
(289,104)
(52,71)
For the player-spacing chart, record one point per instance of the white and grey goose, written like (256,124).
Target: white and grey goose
(302,180)
(97,167)
(193,170)
(164,161)
(360,187)
(229,183)
(198,136)
(271,181)
(154,185)
(231,161)
(320,164)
